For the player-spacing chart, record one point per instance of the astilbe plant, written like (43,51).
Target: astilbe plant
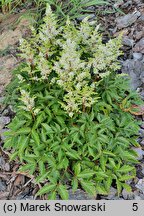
(73,127)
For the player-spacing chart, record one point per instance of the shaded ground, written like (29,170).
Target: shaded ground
(16,185)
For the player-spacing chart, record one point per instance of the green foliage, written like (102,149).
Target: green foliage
(73,8)
(72,128)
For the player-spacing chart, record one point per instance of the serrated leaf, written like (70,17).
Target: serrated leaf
(22,143)
(88,187)
(119,186)
(35,137)
(77,168)
(38,121)
(25,130)
(112,162)
(47,128)
(74,184)
(86,174)
(126,177)
(41,177)
(73,154)
(101,190)
(41,167)
(125,168)
(127,187)
(30,168)
(46,189)
(52,196)
(63,192)
(109,153)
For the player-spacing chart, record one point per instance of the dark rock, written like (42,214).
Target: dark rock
(2,186)
(80,195)
(137,56)
(23,196)
(127,20)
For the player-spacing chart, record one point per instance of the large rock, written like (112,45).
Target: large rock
(127,20)
(134,69)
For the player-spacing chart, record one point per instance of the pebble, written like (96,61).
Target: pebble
(127,4)
(4,121)
(127,195)
(2,186)
(142,142)
(141,132)
(23,196)
(127,42)
(139,152)
(112,193)
(127,20)
(139,47)
(80,195)
(2,162)
(137,56)
(2,137)
(140,185)
(91,16)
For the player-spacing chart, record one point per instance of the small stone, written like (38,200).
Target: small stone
(2,137)
(127,20)
(137,56)
(112,193)
(2,162)
(140,185)
(142,142)
(7,167)
(127,4)
(2,186)
(141,18)
(4,121)
(142,171)
(141,132)
(80,195)
(139,47)
(118,4)
(91,16)
(91,8)
(139,152)
(127,195)
(138,198)
(139,35)
(127,42)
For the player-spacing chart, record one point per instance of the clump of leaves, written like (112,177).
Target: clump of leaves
(72,128)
